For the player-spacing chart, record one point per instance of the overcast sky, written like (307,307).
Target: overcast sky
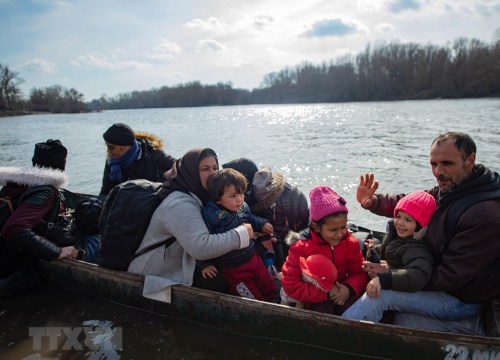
(117,46)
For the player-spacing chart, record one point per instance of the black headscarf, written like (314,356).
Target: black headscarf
(185,174)
(248,168)
(245,166)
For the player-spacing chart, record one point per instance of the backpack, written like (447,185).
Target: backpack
(291,212)
(87,214)
(124,219)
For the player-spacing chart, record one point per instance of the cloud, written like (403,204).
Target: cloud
(210,45)
(488,10)
(96,62)
(39,65)
(166,51)
(384,27)
(332,27)
(211,24)
(262,21)
(398,6)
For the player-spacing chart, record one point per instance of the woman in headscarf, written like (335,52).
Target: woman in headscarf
(179,216)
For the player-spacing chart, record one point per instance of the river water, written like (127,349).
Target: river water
(329,144)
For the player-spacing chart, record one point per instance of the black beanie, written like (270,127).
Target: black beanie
(245,166)
(50,154)
(119,134)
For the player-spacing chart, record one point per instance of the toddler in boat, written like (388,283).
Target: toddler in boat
(406,261)
(243,269)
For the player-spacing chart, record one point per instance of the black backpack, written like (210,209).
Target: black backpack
(291,212)
(87,214)
(125,217)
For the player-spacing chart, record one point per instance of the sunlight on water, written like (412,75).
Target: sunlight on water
(313,144)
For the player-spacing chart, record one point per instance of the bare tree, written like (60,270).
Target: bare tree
(56,99)
(10,93)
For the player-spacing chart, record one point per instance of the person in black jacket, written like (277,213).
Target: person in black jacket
(32,192)
(132,155)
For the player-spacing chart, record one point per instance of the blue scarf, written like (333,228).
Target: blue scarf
(123,162)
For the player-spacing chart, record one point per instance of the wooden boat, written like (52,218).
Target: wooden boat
(323,333)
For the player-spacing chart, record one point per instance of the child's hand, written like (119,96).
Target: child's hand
(339,294)
(366,189)
(373,288)
(209,272)
(267,228)
(374,268)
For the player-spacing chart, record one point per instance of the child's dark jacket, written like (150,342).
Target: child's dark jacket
(410,263)
(220,220)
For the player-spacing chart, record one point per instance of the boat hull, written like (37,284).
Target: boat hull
(333,334)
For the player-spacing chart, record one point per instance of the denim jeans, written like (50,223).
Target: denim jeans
(431,304)
(469,326)
(92,247)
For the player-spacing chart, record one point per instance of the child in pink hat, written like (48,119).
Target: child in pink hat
(408,260)
(328,236)
(317,270)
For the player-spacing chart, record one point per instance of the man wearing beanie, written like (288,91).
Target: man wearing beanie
(132,156)
(408,258)
(30,195)
(465,247)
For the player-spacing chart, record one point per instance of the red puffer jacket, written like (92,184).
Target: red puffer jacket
(346,256)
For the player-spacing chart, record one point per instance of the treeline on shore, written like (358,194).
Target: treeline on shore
(465,68)
(51,99)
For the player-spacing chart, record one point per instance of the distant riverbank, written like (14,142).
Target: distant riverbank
(15,113)
(24,112)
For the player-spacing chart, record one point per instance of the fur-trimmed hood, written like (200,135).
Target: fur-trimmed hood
(271,192)
(292,237)
(33,176)
(154,140)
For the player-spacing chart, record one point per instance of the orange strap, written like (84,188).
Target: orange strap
(9,202)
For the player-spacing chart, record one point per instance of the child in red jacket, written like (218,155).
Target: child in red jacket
(327,235)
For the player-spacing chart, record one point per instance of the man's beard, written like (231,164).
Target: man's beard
(454,184)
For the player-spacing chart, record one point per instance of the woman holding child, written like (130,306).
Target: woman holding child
(179,216)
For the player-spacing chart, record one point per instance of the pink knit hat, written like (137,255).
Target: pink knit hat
(419,205)
(319,270)
(325,201)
